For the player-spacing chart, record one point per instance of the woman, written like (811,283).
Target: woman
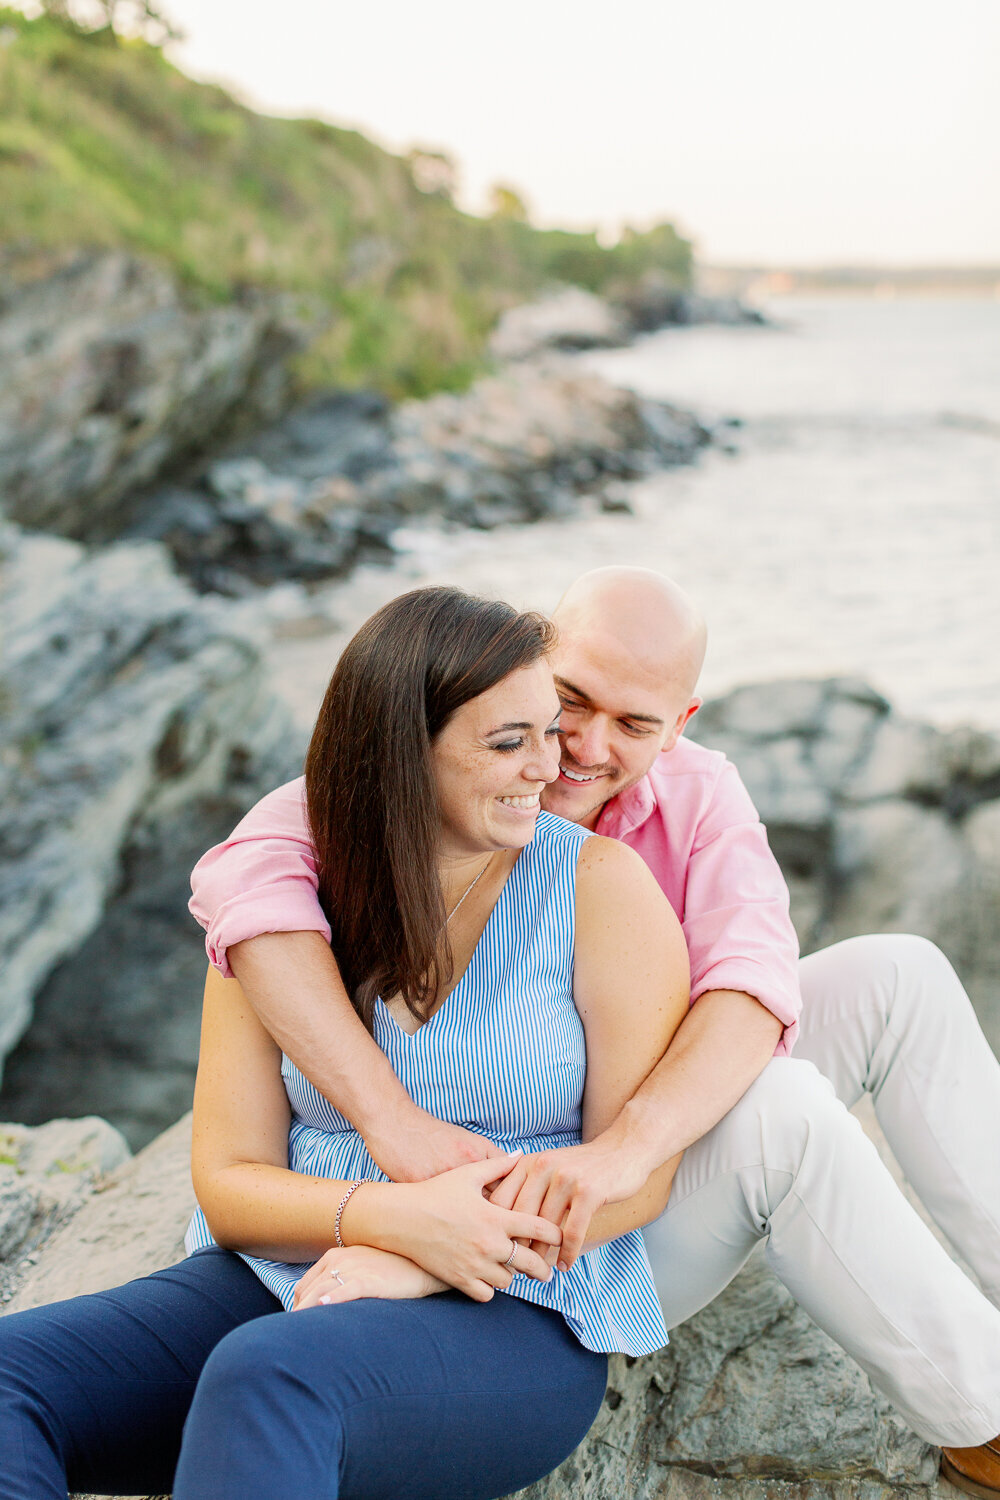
(523,977)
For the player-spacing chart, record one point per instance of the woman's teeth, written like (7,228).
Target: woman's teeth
(522,802)
(575,775)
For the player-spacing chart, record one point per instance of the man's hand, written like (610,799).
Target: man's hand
(448,1226)
(567,1186)
(410,1145)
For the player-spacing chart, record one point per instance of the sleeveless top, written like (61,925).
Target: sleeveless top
(504,1055)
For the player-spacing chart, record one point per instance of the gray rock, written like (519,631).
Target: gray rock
(46,1175)
(327,486)
(749,1396)
(108,374)
(879,823)
(125,699)
(658,303)
(749,1400)
(569,318)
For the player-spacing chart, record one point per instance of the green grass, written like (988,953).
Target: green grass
(104,143)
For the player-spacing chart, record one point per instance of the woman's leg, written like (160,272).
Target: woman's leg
(415,1400)
(94,1391)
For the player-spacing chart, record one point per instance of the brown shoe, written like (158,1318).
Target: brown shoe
(974,1470)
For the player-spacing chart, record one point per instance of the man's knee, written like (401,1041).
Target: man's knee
(788,1107)
(892,959)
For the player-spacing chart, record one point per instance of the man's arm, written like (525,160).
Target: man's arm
(738,932)
(723,1044)
(255,895)
(292,981)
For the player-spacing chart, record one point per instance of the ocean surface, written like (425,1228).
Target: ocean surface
(854,531)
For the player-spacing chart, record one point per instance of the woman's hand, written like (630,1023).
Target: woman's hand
(359,1271)
(449,1227)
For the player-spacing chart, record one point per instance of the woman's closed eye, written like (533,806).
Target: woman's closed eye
(506,746)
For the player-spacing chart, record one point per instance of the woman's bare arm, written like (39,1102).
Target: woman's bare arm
(631,987)
(253,1202)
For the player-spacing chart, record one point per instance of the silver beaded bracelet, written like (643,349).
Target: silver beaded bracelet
(343,1204)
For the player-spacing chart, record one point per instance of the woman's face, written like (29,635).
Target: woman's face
(491,761)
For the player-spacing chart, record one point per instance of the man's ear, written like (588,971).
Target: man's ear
(680,722)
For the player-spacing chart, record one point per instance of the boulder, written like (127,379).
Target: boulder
(880,823)
(109,374)
(567,319)
(126,699)
(749,1402)
(45,1176)
(656,302)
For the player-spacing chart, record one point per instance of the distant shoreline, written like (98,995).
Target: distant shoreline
(756,282)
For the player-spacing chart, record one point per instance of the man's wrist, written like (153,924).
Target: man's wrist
(637,1134)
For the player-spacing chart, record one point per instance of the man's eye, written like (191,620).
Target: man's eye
(639,730)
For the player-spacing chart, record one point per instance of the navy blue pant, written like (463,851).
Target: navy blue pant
(416,1400)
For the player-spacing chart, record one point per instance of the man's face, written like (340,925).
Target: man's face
(617,715)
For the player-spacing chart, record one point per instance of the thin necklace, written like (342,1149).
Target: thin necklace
(467,892)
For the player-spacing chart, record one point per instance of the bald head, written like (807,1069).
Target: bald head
(642,614)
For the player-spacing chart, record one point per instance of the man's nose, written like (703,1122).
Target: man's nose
(588,742)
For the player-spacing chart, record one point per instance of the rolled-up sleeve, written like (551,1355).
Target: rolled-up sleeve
(737,925)
(261,879)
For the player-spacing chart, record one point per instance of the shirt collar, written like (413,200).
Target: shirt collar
(628,811)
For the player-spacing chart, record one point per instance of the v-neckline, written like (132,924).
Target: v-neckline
(459,983)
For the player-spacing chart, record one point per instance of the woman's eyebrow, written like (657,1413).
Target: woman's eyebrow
(501,728)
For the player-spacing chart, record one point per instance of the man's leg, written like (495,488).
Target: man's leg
(888,1015)
(789,1165)
(94,1392)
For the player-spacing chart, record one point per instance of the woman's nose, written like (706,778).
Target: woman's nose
(545,765)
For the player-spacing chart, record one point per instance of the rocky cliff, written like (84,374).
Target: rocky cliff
(135,719)
(110,374)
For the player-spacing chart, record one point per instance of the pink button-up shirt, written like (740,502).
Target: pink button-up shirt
(690,818)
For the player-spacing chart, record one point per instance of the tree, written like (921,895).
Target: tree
(434,172)
(142,18)
(507,203)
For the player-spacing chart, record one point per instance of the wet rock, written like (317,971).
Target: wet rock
(109,374)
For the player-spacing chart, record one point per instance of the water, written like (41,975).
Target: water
(856,531)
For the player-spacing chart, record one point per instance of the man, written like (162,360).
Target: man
(770,1151)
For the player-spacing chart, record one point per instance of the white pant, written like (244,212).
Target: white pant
(789,1165)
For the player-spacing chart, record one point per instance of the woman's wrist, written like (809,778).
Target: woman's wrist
(372,1216)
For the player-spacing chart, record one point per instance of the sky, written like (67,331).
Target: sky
(774,132)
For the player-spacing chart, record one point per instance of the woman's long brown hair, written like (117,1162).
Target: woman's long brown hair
(370,787)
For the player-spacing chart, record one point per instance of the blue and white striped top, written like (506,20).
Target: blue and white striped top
(504,1055)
